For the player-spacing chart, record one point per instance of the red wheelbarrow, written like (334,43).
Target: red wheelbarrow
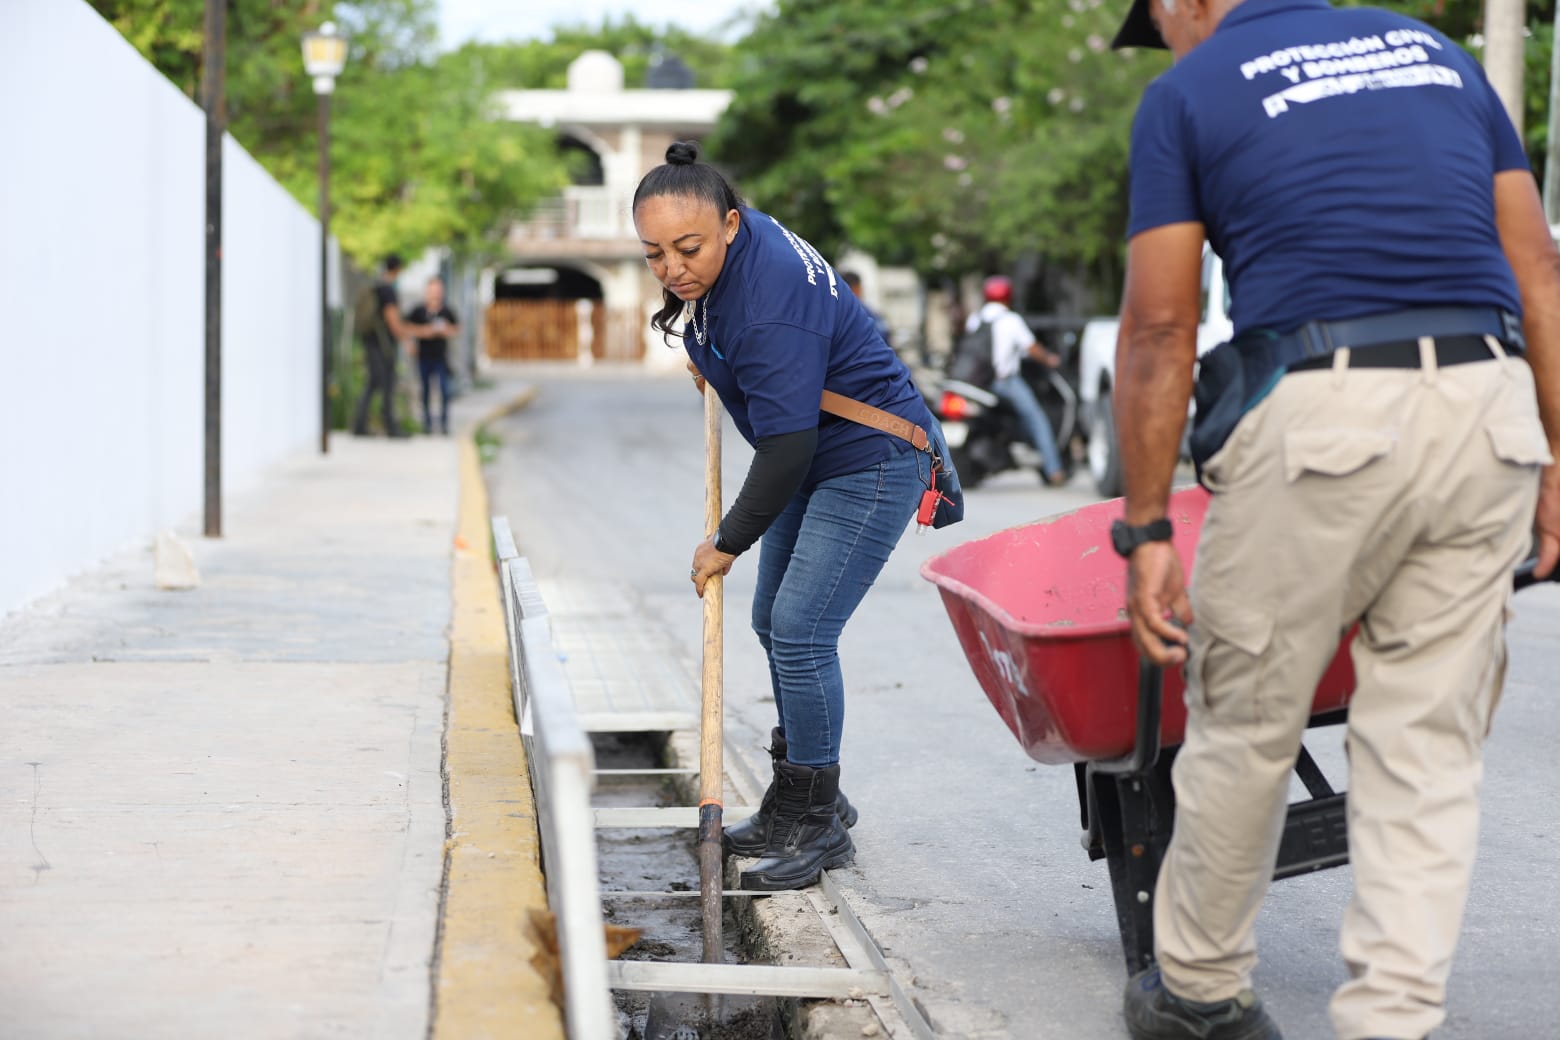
(1040,613)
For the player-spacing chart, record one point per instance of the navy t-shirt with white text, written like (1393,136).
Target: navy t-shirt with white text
(782,328)
(1341,162)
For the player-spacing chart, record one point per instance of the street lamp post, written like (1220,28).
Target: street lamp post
(213,89)
(324,56)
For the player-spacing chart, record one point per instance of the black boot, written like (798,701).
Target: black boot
(750,837)
(806,834)
(1154,1013)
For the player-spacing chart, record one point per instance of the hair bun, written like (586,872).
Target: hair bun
(683,153)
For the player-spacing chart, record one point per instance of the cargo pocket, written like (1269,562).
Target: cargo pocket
(1248,629)
(1334,451)
(1233,629)
(1521,443)
(1225,661)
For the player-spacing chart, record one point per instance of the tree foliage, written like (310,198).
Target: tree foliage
(416,159)
(961,135)
(947,134)
(544,64)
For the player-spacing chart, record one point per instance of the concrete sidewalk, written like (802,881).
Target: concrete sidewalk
(222,811)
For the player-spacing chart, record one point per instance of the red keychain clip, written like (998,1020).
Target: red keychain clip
(929,499)
(924,512)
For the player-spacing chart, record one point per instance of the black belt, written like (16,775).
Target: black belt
(1317,338)
(1450,350)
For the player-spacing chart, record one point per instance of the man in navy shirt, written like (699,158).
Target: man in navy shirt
(1377,444)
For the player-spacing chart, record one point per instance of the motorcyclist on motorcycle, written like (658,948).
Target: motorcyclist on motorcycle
(1011,341)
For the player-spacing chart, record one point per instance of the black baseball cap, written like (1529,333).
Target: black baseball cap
(1137,30)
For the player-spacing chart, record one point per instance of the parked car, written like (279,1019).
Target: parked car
(1097,373)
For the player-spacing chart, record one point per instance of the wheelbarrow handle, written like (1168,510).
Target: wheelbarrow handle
(1145,745)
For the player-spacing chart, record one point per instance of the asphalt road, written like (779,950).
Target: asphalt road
(969,872)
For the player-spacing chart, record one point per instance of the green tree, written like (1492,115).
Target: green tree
(960,135)
(544,64)
(951,136)
(417,157)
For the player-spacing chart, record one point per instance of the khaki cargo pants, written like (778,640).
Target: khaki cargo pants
(1403,499)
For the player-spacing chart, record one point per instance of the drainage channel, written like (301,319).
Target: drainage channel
(650,880)
(614,799)
(660,865)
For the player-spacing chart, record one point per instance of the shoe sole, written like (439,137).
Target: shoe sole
(754,882)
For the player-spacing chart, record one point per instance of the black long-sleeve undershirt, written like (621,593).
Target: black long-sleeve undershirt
(780,464)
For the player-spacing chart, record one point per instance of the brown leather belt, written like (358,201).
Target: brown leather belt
(877,418)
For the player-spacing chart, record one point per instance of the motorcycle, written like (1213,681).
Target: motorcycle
(985,436)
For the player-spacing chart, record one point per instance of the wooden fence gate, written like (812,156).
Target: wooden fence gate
(534,330)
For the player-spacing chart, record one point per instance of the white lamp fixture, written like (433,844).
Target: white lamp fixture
(324,56)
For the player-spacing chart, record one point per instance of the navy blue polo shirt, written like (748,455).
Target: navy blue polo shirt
(1341,162)
(782,328)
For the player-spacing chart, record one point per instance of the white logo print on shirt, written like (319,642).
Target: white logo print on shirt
(1344,67)
(811,259)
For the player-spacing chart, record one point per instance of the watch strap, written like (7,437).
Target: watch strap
(1125,537)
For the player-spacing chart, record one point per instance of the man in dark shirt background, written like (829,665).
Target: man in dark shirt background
(434,324)
(380,328)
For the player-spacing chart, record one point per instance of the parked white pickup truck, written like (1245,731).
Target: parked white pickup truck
(1097,372)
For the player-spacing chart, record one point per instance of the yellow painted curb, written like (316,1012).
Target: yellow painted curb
(486,986)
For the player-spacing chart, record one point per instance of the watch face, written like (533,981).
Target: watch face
(1121,538)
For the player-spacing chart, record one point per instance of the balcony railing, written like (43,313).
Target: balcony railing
(581,212)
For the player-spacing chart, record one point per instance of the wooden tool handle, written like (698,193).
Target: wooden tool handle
(711,768)
(710,732)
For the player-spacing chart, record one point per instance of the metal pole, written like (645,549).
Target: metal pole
(213,75)
(325,359)
(1503,63)
(1552,160)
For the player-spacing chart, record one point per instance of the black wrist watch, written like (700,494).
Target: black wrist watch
(1124,537)
(719,547)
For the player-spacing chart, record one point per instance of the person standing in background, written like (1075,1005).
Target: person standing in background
(378,320)
(434,324)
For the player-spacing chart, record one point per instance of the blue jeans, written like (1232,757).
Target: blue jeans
(816,562)
(1017,395)
(431,369)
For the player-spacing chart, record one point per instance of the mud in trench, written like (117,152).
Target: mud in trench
(672,929)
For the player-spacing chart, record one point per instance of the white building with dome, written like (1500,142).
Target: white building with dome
(577,286)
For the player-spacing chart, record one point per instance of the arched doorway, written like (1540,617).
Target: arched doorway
(582,161)
(545,312)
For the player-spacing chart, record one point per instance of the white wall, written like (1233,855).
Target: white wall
(102,206)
